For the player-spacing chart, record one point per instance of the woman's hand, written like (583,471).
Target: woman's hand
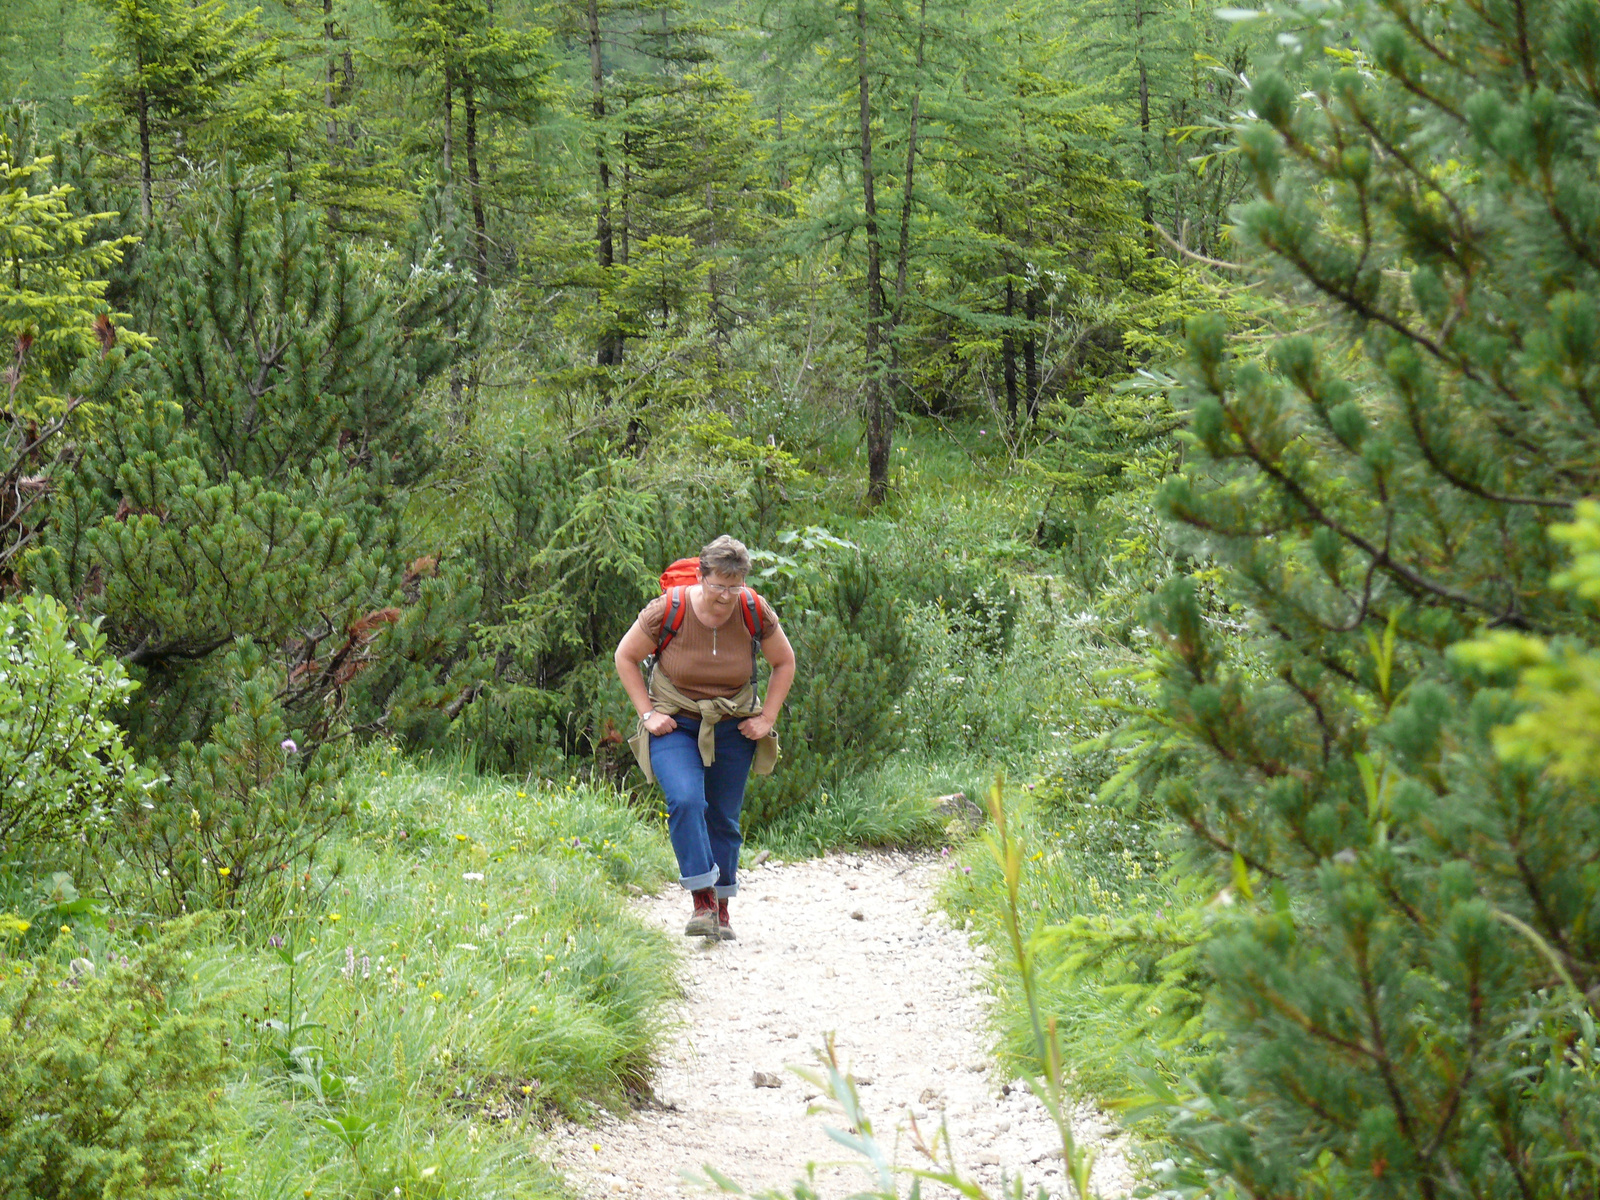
(659,724)
(757,727)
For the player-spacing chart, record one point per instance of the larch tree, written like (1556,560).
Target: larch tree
(169,70)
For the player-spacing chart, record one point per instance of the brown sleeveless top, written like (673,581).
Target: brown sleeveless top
(706,663)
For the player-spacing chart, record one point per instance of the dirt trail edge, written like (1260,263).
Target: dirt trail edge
(853,945)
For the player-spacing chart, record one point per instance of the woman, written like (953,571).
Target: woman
(702,724)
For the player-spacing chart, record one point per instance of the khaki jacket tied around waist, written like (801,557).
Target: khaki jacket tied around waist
(666,698)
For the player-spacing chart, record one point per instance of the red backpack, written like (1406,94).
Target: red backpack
(675,582)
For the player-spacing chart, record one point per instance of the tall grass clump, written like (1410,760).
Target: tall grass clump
(471,974)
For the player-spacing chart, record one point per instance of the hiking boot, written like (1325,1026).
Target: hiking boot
(724,930)
(704,921)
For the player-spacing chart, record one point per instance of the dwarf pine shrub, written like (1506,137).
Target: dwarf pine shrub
(243,812)
(1405,977)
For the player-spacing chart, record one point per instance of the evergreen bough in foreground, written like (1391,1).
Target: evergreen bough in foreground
(1406,981)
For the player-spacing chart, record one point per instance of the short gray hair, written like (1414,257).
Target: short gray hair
(725,556)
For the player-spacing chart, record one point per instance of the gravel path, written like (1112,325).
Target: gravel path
(849,944)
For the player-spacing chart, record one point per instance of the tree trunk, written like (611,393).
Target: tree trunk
(469,106)
(1008,354)
(331,103)
(144,151)
(903,251)
(879,425)
(1144,122)
(449,125)
(1030,354)
(608,353)
(621,235)
(783,163)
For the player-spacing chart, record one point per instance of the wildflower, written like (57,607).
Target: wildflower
(461,837)
(547,957)
(224,872)
(438,995)
(526,1090)
(522,795)
(333,916)
(275,942)
(966,870)
(349,968)
(945,853)
(289,746)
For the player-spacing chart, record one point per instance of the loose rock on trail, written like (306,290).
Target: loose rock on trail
(852,945)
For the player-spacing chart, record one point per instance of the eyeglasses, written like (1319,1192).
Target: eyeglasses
(721,589)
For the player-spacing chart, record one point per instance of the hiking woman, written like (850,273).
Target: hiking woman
(702,725)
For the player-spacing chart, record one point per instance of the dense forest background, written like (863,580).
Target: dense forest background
(1184,417)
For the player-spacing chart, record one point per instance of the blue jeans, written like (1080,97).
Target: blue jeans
(703,802)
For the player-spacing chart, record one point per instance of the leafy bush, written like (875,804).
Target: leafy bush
(107,1075)
(63,766)
(242,811)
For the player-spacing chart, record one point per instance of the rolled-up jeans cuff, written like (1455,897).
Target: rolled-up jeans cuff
(694,883)
(726,891)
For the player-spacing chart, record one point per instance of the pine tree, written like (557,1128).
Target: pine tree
(875,53)
(253,488)
(58,330)
(1406,983)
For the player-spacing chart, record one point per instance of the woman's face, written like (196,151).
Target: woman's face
(721,590)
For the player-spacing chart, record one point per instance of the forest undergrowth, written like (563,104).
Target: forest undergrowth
(1189,440)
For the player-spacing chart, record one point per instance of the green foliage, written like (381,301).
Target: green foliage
(577,545)
(52,314)
(856,658)
(1410,944)
(254,489)
(243,817)
(109,1070)
(64,770)
(573,559)
(53,264)
(170,69)
(1558,684)
(1116,932)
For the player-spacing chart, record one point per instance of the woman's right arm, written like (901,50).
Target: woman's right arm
(636,646)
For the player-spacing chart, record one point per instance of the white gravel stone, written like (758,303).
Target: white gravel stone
(904,998)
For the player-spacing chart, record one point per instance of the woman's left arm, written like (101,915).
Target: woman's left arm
(776,649)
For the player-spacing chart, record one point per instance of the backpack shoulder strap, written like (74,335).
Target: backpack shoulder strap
(750,611)
(672,620)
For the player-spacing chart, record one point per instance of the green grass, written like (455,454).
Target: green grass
(471,973)
(892,807)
